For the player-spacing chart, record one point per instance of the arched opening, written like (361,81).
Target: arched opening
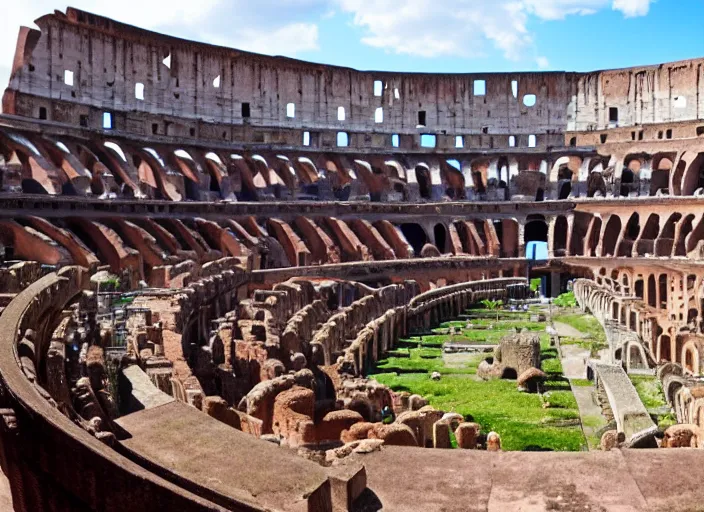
(509,374)
(560,236)
(425,186)
(31,186)
(635,358)
(535,238)
(596,186)
(666,239)
(660,176)
(627,181)
(689,359)
(694,176)
(565,190)
(639,289)
(646,243)
(663,285)
(629,236)
(664,348)
(685,229)
(479,175)
(652,292)
(440,233)
(415,236)
(677,178)
(503,171)
(564,177)
(611,234)
(593,240)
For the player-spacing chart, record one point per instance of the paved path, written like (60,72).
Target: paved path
(568,331)
(574,366)
(573,358)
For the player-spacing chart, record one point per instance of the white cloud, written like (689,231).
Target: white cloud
(632,8)
(285,27)
(430,28)
(542,62)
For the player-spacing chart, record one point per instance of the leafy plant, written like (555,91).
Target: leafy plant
(566,300)
(493,305)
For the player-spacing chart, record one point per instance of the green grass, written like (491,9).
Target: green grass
(521,419)
(651,394)
(582,382)
(585,324)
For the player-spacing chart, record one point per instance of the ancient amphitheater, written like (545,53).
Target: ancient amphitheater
(207,251)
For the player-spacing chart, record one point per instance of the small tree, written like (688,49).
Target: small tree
(493,305)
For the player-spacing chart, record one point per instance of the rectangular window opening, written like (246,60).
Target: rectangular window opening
(421,118)
(340,113)
(107,121)
(428,140)
(459,141)
(514,88)
(379,115)
(532,141)
(83,120)
(668,133)
(480,87)
(139,91)
(613,115)
(343,140)
(512,141)
(306,138)
(42,112)
(378,88)
(291,110)
(395,142)
(68,77)
(245,110)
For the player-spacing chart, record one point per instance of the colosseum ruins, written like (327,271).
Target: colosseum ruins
(214,265)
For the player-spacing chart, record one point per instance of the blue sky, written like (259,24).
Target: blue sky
(414,35)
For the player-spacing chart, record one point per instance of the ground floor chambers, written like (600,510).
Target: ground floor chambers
(662,308)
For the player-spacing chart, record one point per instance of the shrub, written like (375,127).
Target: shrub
(566,300)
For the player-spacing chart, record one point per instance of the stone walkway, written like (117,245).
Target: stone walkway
(568,331)
(574,366)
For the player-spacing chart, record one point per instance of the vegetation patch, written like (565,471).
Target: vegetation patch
(525,421)
(651,394)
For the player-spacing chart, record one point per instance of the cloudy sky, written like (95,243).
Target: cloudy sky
(412,35)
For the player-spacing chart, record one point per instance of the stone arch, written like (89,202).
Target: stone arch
(683,230)
(660,176)
(666,240)
(560,236)
(441,238)
(592,239)
(690,357)
(610,236)
(630,234)
(693,178)
(652,291)
(415,235)
(453,180)
(676,178)
(425,184)
(646,241)
(663,287)
(480,169)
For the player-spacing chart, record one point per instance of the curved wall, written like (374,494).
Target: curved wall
(81,66)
